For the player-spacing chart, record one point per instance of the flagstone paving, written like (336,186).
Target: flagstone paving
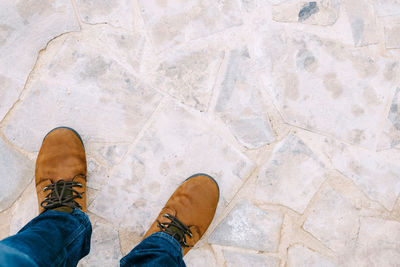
(292,106)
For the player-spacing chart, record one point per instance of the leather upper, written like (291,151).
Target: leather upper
(194,203)
(61,156)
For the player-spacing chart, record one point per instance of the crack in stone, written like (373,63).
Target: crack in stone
(28,79)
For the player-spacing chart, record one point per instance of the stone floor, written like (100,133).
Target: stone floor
(293,106)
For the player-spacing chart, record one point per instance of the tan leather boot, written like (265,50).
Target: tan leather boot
(189,211)
(60,173)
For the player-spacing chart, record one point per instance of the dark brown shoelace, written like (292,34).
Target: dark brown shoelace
(62,194)
(176,229)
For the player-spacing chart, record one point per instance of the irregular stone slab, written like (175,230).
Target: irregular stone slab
(5,220)
(392,36)
(129,48)
(234,258)
(189,74)
(128,240)
(378,243)
(110,153)
(292,175)
(361,16)
(118,13)
(86,88)
(97,174)
(177,145)
(385,8)
(319,12)
(334,221)
(328,87)
(16,172)
(24,209)
(198,257)
(105,249)
(239,102)
(25,28)
(251,5)
(378,178)
(391,133)
(299,256)
(173,22)
(248,226)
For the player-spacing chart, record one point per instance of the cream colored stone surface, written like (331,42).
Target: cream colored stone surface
(247,222)
(117,13)
(24,209)
(314,12)
(292,106)
(234,258)
(300,256)
(239,102)
(292,168)
(378,242)
(202,256)
(104,246)
(173,22)
(363,22)
(26,27)
(16,171)
(334,220)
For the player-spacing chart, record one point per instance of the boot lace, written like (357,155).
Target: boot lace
(62,193)
(181,230)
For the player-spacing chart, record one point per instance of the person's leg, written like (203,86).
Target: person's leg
(60,235)
(180,224)
(159,249)
(54,238)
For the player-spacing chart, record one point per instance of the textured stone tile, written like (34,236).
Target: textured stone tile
(15,171)
(128,240)
(392,36)
(334,220)
(375,175)
(299,256)
(105,249)
(189,74)
(202,256)
(251,5)
(292,175)
(174,22)
(24,209)
(80,85)
(248,226)
(239,102)
(109,153)
(316,12)
(97,174)
(327,87)
(91,195)
(26,26)
(362,21)
(177,144)
(234,258)
(390,137)
(118,13)
(378,243)
(5,220)
(385,8)
(129,48)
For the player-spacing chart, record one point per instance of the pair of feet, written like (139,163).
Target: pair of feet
(60,178)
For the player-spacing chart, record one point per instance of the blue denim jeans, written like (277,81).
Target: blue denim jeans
(57,238)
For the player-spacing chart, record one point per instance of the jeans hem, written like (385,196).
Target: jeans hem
(170,239)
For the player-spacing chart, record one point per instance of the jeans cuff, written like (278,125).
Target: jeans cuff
(170,239)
